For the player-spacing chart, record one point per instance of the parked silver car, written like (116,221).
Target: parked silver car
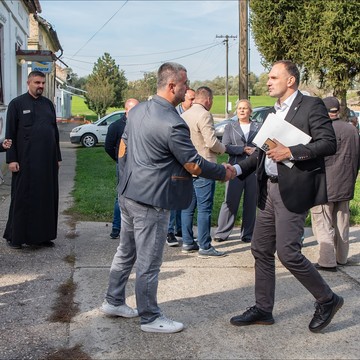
(258,115)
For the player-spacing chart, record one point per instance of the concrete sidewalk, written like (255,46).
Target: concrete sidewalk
(201,293)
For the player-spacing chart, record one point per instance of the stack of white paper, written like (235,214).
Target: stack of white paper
(275,127)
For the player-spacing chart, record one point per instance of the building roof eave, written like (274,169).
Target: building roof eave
(33,6)
(50,31)
(36,55)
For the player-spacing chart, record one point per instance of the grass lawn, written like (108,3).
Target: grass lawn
(78,107)
(95,182)
(218,108)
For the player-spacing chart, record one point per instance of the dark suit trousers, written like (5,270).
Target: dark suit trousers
(279,230)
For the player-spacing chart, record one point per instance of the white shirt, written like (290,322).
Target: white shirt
(246,130)
(281,111)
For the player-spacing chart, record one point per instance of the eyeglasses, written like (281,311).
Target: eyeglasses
(333,111)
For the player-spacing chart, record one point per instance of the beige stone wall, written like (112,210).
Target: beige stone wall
(61,73)
(33,40)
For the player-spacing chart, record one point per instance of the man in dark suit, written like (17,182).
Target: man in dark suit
(156,160)
(285,194)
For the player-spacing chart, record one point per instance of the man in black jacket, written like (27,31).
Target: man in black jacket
(285,194)
(112,142)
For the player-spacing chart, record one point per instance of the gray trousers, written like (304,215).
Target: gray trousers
(330,224)
(229,208)
(142,239)
(279,230)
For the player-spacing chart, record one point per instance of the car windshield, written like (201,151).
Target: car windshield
(109,119)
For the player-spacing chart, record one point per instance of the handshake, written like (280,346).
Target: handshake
(230,172)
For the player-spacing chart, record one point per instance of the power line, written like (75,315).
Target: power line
(152,63)
(100,29)
(150,54)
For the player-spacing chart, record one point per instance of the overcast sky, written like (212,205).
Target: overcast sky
(140,35)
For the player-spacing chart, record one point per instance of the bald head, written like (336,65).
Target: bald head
(129,104)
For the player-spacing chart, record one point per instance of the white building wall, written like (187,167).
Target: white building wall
(14,21)
(16,31)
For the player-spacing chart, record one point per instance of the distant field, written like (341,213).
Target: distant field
(219,103)
(218,108)
(78,108)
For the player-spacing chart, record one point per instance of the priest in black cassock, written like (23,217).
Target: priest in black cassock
(34,162)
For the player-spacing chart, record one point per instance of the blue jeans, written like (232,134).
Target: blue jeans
(142,239)
(203,197)
(116,224)
(175,217)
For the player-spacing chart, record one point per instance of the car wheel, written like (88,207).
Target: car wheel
(88,140)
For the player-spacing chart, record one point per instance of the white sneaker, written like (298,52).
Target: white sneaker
(121,310)
(162,325)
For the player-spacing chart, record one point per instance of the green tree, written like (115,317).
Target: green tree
(77,82)
(217,85)
(100,94)
(260,88)
(333,52)
(143,88)
(253,79)
(321,37)
(275,28)
(107,72)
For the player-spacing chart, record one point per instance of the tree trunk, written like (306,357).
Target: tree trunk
(341,96)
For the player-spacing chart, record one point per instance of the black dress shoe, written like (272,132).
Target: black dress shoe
(246,240)
(325,312)
(323,268)
(217,239)
(13,246)
(252,316)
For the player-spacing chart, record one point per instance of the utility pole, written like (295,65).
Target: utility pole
(243,49)
(226,42)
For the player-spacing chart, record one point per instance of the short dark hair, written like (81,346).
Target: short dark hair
(291,68)
(203,92)
(36,73)
(168,71)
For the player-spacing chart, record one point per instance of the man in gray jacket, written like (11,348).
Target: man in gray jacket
(331,221)
(157,160)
